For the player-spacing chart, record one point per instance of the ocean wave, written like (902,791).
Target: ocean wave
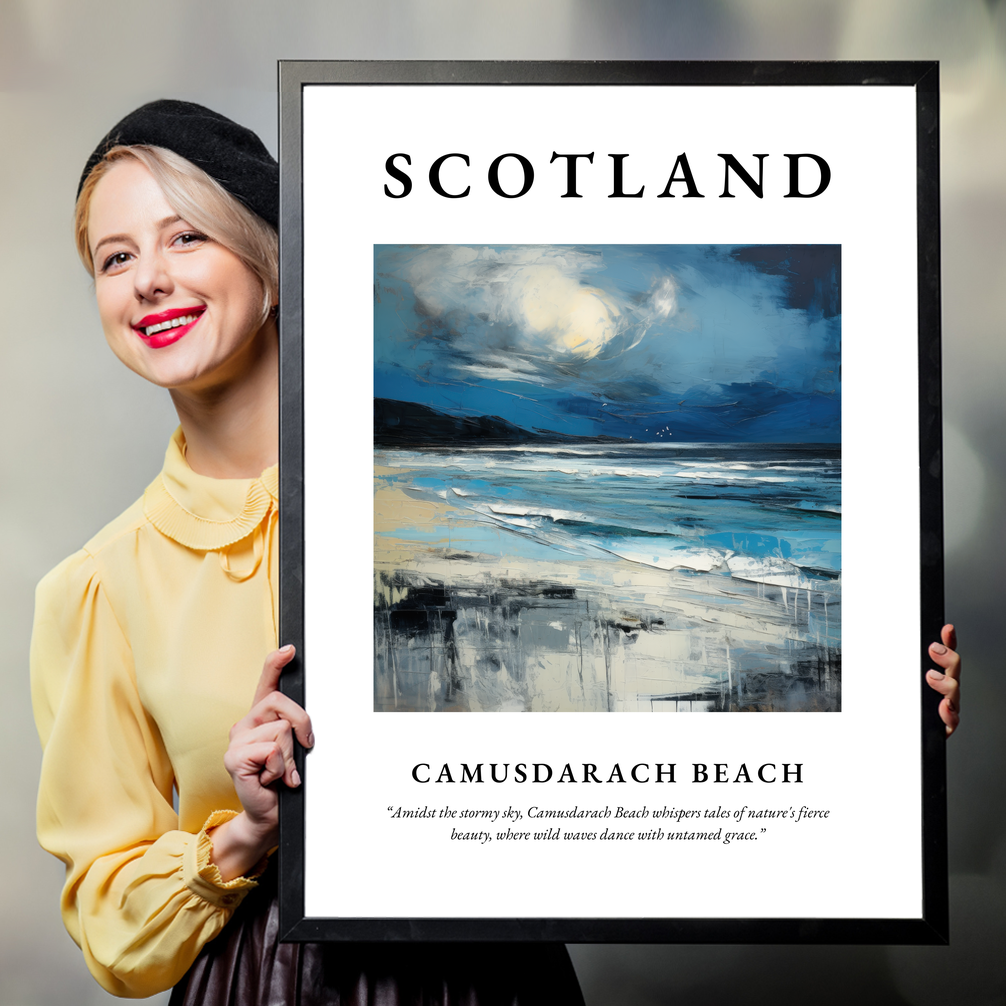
(778,573)
(700,560)
(553,515)
(731,477)
(658,511)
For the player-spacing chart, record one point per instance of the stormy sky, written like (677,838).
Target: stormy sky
(655,342)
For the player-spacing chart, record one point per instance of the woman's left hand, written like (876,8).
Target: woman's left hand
(948,681)
(260,754)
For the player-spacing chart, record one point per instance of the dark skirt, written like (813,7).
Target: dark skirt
(246,965)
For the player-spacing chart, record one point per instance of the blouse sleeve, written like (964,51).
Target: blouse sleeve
(141,898)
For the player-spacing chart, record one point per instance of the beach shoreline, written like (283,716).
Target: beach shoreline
(468,618)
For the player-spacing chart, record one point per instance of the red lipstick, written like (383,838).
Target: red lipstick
(165,333)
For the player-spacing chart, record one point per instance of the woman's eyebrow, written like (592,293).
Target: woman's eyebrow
(109,240)
(160,225)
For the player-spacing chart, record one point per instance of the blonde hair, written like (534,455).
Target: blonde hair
(199,200)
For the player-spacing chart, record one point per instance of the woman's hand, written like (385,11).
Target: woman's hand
(260,753)
(948,681)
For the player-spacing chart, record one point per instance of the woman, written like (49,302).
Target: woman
(148,643)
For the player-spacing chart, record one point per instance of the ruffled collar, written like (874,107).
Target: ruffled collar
(203,513)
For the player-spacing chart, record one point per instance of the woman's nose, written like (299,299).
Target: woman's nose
(152,277)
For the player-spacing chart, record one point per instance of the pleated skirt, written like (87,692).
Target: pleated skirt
(246,965)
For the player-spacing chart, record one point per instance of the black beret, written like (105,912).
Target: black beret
(231,154)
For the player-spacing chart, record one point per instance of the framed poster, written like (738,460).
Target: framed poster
(652,356)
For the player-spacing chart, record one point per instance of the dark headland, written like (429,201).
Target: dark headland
(409,424)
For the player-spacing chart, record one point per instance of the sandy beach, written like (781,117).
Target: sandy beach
(470,615)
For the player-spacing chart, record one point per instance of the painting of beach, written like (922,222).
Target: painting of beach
(607,478)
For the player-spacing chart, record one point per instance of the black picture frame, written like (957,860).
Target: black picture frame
(931,927)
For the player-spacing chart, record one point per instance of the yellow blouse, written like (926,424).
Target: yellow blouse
(147,647)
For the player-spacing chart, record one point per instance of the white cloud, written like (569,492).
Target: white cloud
(664,297)
(535,301)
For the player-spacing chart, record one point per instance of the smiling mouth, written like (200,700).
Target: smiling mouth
(167,321)
(185,319)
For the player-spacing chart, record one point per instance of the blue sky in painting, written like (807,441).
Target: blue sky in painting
(653,342)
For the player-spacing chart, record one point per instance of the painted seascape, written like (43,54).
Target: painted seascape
(607,478)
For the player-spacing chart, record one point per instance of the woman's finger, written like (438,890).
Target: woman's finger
(260,760)
(950,689)
(948,659)
(279,732)
(945,685)
(271,671)
(273,766)
(949,713)
(277,706)
(950,716)
(949,636)
(947,681)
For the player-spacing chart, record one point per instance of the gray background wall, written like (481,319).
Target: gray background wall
(82,436)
